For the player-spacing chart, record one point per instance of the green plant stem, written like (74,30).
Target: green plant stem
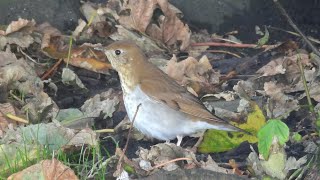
(306,88)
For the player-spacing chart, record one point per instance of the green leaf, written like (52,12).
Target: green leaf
(129,169)
(273,129)
(220,141)
(264,39)
(296,137)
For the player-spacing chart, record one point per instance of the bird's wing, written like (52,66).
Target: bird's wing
(165,90)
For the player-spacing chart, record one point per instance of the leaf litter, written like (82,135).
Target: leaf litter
(277,83)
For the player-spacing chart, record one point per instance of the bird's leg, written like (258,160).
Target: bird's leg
(179,137)
(195,147)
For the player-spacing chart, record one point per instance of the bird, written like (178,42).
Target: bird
(167,110)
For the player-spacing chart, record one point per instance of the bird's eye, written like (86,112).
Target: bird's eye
(117,52)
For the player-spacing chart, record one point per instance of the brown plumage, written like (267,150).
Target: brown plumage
(141,80)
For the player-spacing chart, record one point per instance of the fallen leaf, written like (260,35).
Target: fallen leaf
(275,164)
(141,12)
(162,153)
(280,103)
(46,169)
(293,163)
(211,165)
(6,108)
(220,141)
(102,103)
(15,26)
(69,77)
(199,75)
(30,141)
(166,28)
(74,118)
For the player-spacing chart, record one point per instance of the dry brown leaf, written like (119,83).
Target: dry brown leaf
(211,165)
(288,66)
(46,169)
(281,104)
(18,32)
(171,30)
(48,32)
(141,12)
(85,56)
(15,26)
(272,68)
(6,108)
(162,153)
(198,75)
(89,10)
(187,70)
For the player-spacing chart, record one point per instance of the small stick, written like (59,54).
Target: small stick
(16,118)
(119,166)
(46,75)
(219,44)
(171,161)
(295,27)
(104,131)
(224,52)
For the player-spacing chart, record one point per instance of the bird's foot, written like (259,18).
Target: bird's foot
(179,140)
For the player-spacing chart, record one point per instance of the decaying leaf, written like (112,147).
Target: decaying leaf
(102,103)
(46,169)
(280,104)
(277,166)
(162,153)
(213,166)
(199,75)
(6,108)
(69,77)
(18,32)
(170,31)
(85,56)
(220,141)
(74,118)
(15,26)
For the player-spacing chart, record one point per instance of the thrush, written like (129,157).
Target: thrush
(167,109)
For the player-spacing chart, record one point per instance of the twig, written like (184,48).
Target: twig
(295,27)
(219,44)
(16,118)
(47,74)
(226,40)
(104,131)
(225,52)
(312,39)
(119,166)
(171,161)
(30,58)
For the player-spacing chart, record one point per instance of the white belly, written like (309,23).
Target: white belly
(157,120)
